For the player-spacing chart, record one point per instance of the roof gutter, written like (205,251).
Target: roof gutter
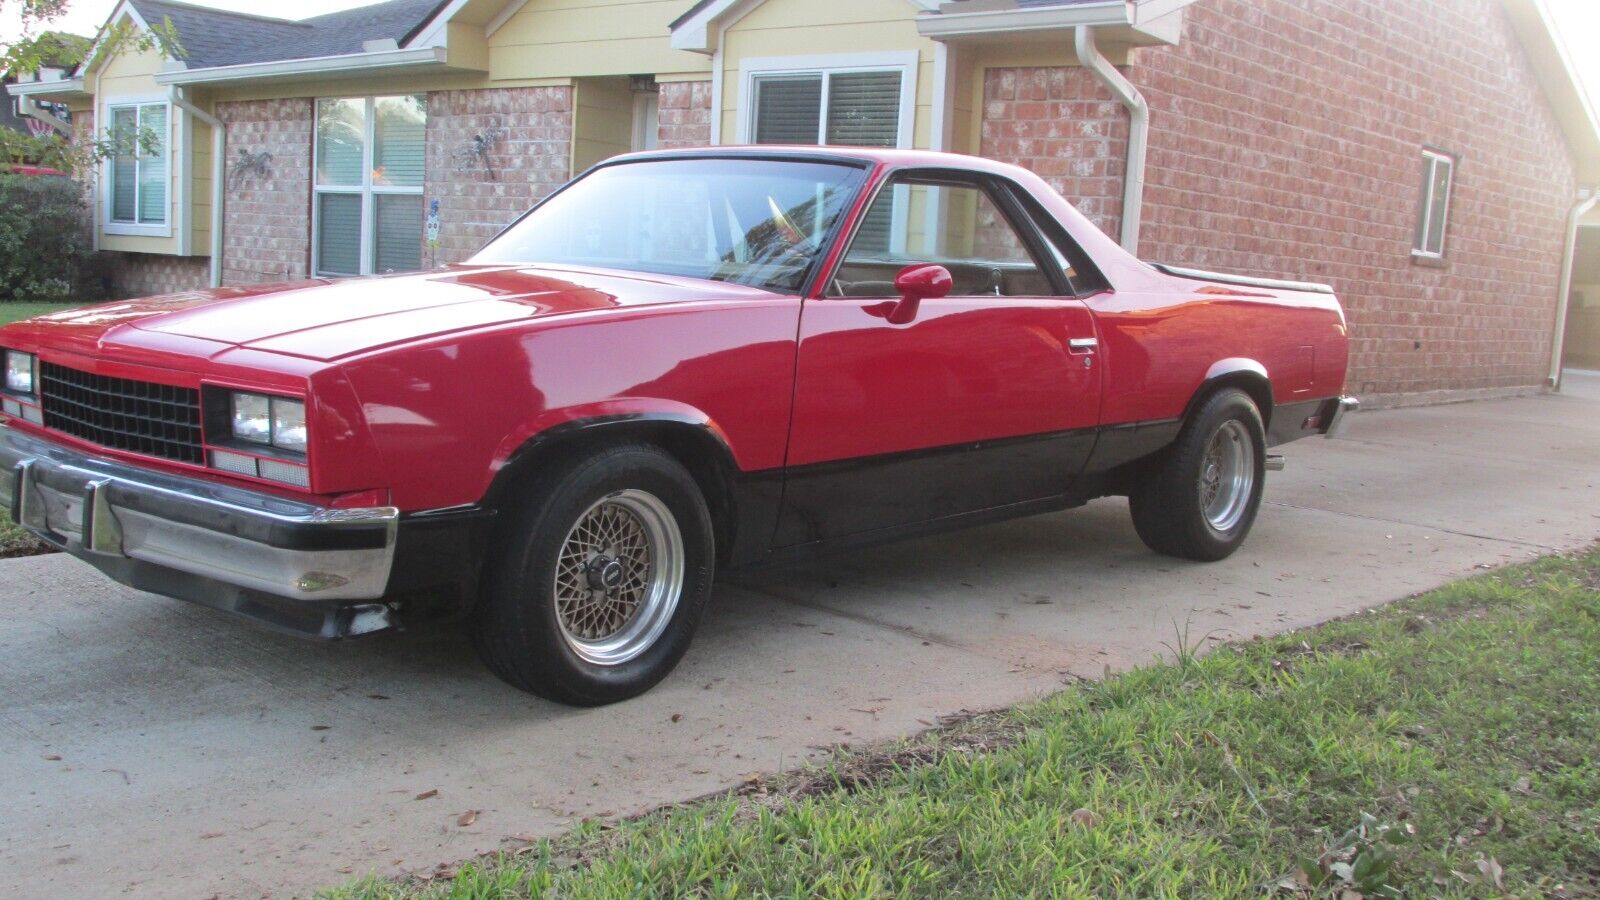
(219,138)
(347,63)
(61,87)
(1036,18)
(1586,202)
(1090,58)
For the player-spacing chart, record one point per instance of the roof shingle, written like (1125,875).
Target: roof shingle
(214,37)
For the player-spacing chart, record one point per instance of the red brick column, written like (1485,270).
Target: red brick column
(267,218)
(685,114)
(1066,127)
(528,132)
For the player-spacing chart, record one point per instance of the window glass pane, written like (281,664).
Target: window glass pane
(397,237)
(339,234)
(753,222)
(399,141)
(124,169)
(1442,170)
(788,109)
(1421,242)
(955,225)
(153,165)
(864,109)
(341,131)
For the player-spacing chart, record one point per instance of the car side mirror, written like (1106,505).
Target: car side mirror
(916,284)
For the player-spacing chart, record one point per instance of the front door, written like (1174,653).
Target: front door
(988,397)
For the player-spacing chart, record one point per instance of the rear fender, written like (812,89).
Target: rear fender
(1240,372)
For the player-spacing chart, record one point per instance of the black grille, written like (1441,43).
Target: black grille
(137,416)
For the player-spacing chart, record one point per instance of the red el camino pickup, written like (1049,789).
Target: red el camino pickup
(680,361)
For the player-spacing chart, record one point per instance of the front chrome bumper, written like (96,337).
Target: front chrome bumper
(1338,420)
(197,540)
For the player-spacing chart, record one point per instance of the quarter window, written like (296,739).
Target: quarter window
(1433,209)
(139,165)
(371,154)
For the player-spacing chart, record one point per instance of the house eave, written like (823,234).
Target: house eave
(63,89)
(349,64)
(1123,22)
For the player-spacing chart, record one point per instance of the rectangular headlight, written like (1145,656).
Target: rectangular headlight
(270,421)
(252,418)
(289,424)
(19,372)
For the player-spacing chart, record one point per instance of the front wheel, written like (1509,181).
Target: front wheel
(599,578)
(1201,497)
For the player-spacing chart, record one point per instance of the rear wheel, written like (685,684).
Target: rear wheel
(599,578)
(1201,497)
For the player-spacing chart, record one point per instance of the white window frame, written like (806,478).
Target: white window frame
(646,120)
(827,65)
(1423,236)
(169,145)
(368,191)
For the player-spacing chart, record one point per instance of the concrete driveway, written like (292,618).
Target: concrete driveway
(153,748)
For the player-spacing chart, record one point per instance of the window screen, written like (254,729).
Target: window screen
(371,167)
(850,109)
(1433,208)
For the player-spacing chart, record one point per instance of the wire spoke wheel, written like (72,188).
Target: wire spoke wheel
(618,577)
(1227,475)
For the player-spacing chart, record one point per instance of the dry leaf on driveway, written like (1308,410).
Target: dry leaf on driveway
(467,818)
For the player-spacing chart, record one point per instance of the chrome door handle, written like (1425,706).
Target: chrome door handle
(1083,345)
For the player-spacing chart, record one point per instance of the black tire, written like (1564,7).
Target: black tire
(516,627)
(1166,503)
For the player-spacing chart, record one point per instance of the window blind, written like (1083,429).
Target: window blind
(864,109)
(397,235)
(788,108)
(399,146)
(153,166)
(339,234)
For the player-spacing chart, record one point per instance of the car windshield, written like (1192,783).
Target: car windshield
(754,222)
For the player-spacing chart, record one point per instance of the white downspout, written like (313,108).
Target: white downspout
(219,139)
(1138,133)
(1569,252)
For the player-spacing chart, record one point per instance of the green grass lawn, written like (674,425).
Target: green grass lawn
(16,311)
(1443,746)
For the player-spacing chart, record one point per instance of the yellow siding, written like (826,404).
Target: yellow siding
(200,190)
(133,75)
(602,124)
(824,27)
(581,38)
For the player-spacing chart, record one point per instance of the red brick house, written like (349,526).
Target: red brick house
(1429,158)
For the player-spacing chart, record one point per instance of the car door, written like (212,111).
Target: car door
(987,398)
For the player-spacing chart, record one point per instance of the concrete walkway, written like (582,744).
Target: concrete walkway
(151,748)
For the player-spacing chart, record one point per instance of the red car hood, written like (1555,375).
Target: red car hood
(327,320)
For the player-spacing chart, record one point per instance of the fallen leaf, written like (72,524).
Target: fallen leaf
(467,818)
(321,727)
(677,717)
(1524,785)
(377,697)
(428,795)
(53,757)
(1493,871)
(210,835)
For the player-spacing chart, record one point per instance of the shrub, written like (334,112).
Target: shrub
(44,248)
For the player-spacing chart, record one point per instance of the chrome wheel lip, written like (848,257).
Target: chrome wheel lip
(1227,476)
(659,596)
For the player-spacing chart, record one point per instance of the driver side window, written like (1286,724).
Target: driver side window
(955,224)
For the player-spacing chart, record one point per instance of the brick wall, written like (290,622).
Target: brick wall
(529,159)
(685,114)
(150,274)
(1286,141)
(267,218)
(1066,127)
